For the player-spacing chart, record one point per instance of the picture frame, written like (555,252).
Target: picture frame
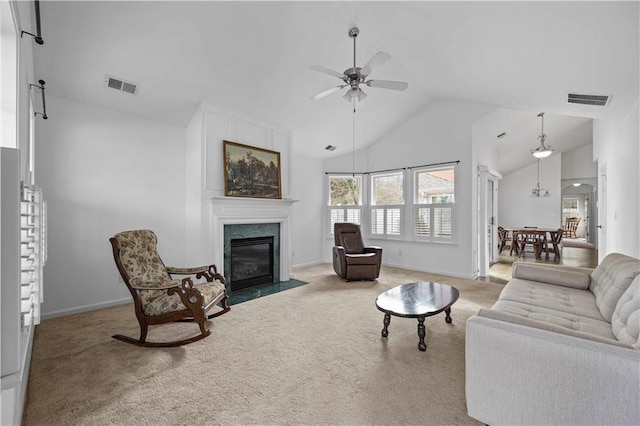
(251,172)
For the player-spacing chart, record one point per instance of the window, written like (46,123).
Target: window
(434,202)
(387,204)
(345,200)
(569,207)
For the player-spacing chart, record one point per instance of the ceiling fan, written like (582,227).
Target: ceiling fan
(356,76)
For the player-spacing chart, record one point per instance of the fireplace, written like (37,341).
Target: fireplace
(251,262)
(239,217)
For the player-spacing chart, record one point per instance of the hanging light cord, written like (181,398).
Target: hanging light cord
(353,152)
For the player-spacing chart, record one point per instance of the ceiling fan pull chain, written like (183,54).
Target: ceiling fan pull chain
(353,152)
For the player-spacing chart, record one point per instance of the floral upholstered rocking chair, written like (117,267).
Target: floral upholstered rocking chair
(157,297)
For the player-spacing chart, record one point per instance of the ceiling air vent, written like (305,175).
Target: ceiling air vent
(330,148)
(580,98)
(122,85)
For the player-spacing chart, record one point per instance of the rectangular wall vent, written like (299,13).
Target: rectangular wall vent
(120,84)
(583,99)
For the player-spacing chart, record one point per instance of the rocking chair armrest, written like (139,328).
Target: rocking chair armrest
(191,297)
(208,272)
(140,284)
(173,270)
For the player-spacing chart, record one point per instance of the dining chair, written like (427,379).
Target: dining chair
(536,239)
(554,243)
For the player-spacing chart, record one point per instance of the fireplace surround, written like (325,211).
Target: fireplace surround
(251,254)
(258,212)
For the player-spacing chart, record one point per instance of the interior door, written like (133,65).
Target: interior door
(491,223)
(602,212)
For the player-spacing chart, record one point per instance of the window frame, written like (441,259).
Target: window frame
(330,209)
(432,207)
(388,209)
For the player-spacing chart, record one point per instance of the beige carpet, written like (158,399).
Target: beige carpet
(309,355)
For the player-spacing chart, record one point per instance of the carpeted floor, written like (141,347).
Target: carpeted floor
(309,355)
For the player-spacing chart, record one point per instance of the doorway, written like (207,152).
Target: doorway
(487,218)
(578,200)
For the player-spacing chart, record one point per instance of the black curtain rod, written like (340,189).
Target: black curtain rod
(37,37)
(393,170)
(44,102)
(435,164)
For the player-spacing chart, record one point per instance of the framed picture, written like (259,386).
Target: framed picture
(251,172)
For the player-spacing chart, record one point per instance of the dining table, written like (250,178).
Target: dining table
(546,234)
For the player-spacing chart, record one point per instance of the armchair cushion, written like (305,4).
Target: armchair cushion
(362,259)
(156,302)
(140,284)
(140,258)
(352,243)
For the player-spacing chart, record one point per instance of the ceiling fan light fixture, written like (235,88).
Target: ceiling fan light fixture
(361,94)
(354,93)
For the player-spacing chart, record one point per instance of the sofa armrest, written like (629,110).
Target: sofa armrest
(517,374)
(578,278)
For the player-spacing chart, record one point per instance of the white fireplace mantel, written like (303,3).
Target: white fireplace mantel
(238,210)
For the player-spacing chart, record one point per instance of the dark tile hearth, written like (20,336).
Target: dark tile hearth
(246,294)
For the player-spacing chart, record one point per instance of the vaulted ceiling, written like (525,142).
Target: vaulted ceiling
(254,58)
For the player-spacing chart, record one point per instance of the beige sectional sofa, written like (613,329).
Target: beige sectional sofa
(560,346)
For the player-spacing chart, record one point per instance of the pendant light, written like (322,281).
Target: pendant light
(542,151)
(537,191)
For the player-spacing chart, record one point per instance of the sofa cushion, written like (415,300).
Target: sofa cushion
(625,321)
(517,319)
(611,279)
(551,275)
(598,327)
(549,296)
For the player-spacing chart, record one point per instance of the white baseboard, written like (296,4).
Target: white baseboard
(303,265)
(430,271)
(85,308)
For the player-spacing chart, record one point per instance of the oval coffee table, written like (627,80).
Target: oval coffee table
(417,300)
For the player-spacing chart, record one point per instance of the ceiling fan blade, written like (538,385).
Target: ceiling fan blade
(326,93)
(326,70)
(378,59)
(388,84)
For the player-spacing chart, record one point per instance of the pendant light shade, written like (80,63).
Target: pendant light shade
(542,151)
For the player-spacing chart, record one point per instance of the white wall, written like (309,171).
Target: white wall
(209,127)
(578,164)
(616,146)
(441,132)
(516,206)
(306,187)
(103,172)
